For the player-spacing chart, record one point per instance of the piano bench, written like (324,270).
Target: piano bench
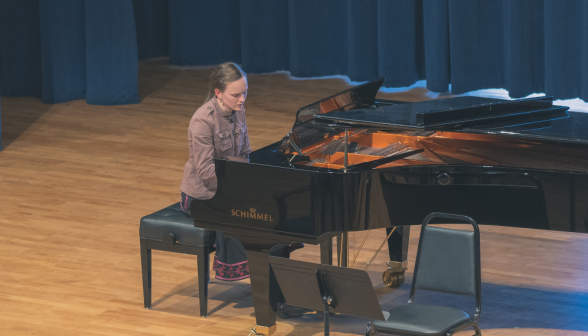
(170,229)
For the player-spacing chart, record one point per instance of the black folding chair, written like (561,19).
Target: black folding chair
(447,261)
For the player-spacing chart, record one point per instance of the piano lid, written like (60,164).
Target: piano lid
(305,131)
(358,108)
(453,114)
(363,95)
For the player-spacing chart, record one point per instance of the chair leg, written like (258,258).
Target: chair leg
(477,329)
(370,330)
(146,270)
(203,278)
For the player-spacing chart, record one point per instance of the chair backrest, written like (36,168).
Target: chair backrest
(448,260)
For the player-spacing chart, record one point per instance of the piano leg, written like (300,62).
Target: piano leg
(398,250)
(264,288)
(398,243)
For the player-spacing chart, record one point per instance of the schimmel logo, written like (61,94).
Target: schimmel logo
(251,214)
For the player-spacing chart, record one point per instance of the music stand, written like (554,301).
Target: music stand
(333,289)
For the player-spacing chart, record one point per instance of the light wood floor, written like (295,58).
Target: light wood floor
(75,179)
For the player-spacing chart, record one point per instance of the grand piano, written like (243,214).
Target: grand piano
(353,162)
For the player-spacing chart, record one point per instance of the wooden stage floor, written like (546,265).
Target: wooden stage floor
(75,179)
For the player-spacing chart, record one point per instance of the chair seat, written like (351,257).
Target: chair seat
(173,219)
(421,320)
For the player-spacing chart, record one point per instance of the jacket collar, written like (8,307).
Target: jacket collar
(222,112)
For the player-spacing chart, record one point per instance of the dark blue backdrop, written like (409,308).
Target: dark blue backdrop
(60,50)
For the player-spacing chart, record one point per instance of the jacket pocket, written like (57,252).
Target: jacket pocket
(224,141)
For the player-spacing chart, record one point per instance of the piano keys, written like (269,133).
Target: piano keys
(352,162)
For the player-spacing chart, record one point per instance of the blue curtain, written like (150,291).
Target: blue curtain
(62,55)
(152,26)
(204,32)
(111,53)
(69,49)
(20,48)
(60,50)
(265,41)
(566,52)
(524,46)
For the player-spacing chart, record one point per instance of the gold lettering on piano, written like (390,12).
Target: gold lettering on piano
(252,213)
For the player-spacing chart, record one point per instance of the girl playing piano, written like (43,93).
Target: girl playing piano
(218,129)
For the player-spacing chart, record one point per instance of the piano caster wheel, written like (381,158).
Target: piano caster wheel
(393,277)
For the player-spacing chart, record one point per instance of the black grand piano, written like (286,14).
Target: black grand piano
(352,162)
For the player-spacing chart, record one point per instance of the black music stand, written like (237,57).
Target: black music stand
(333,289)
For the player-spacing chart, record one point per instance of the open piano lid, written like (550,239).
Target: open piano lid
(307,130)
(460,113)
(357,107)
(363,95)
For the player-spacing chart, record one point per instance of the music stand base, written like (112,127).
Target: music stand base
(326,319)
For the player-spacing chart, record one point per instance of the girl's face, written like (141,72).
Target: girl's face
(234,95)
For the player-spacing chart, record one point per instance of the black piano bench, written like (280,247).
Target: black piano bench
(171,230)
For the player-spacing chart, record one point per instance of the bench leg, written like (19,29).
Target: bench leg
(146,270)
(203,278)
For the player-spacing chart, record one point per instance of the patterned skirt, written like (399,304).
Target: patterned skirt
(230,261)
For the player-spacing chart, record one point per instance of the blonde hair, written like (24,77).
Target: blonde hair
(222,75)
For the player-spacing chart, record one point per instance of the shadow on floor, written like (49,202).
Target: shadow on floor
(18,114)
(502,307)
(154,74)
